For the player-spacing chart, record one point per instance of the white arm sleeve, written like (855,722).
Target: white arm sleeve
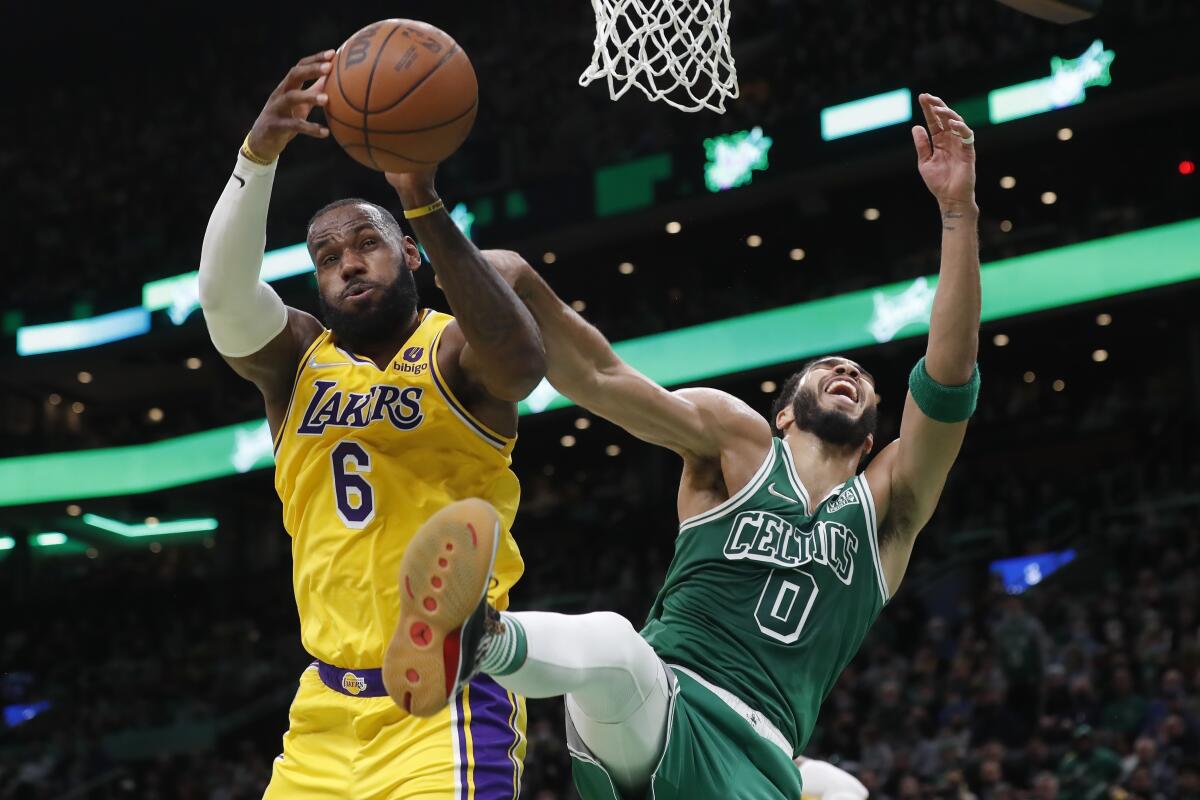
(243,313)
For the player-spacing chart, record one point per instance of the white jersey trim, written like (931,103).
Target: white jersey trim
(491,437)
(754,718)
(794,478)
(873,534)
(742,496)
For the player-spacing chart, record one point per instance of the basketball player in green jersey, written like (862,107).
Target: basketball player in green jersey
(785,553)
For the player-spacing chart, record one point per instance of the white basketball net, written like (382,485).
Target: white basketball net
(676,51)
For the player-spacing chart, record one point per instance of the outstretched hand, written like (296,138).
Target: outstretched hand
(286,112)
(945,153)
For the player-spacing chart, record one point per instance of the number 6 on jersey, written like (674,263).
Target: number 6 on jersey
(354,496)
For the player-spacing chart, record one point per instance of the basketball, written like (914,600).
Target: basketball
(402,96)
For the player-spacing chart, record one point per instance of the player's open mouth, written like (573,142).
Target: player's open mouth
(843,387)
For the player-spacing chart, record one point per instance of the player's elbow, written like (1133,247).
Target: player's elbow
(211,292)
(206,287)
(519,375)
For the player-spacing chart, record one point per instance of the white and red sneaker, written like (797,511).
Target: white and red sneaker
(444,612)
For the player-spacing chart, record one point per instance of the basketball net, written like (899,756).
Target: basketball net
(676,51)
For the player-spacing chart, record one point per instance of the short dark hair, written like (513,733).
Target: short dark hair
(389,220)
(788,393)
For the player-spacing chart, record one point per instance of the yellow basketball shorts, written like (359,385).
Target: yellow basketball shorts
(366,748)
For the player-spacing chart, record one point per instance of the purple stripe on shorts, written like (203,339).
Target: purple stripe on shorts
(492,739)
(460,731)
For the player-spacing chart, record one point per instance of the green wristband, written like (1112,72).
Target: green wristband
(943,403)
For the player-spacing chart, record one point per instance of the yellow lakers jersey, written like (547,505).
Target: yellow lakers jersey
(363,457)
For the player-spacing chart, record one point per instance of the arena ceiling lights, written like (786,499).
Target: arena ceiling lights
(1054,278)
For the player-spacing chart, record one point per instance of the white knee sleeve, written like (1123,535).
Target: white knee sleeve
(618,692)
(599,658)
(824,780)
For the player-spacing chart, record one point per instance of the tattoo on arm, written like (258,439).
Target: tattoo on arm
(948,220)
(494,321)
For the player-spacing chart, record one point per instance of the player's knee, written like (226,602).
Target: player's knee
(823,779)
(615,633)
(610,626)
(623,645)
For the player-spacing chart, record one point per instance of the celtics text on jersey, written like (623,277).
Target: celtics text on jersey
(770,595)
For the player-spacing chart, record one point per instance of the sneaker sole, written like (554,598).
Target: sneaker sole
(444,576)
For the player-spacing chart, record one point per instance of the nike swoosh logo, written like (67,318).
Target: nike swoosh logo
(771,490)
(312,362)
(240,179)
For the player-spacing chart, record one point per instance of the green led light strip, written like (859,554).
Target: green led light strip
(136,469)
(172,527)
(56,544)
(1078,273)
(53,541)
(48,543)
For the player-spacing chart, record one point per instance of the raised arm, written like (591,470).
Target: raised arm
(503,350)
(696,423)
(911,472)
(247,321)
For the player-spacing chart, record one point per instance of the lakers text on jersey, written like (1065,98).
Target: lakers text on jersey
(364,456)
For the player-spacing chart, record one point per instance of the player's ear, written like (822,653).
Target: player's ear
(412,254)
(784,418)
(868,445)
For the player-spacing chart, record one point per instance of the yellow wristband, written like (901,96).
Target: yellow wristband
(250,154)
(423,211)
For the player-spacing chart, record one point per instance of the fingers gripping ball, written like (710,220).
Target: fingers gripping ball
(402,96)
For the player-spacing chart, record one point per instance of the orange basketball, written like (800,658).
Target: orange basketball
(402,96)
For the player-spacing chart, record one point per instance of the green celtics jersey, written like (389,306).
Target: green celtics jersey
(769,596)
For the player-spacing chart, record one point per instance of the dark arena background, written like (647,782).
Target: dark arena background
(1046,642)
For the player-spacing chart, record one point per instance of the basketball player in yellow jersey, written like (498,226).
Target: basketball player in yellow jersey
(380,420)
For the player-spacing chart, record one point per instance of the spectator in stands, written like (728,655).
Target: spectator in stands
(1125,711)
(1088,770)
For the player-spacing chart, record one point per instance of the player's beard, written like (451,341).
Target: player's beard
(832,426)
(393,307)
